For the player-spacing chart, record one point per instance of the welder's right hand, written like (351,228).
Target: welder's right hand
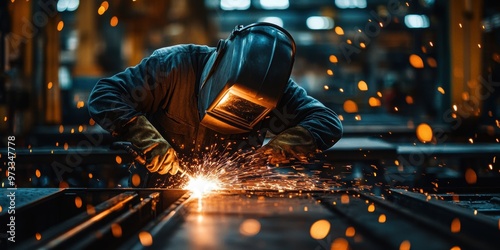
(159,155)
(295,142)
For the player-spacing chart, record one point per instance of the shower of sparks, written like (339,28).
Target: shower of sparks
(240,170)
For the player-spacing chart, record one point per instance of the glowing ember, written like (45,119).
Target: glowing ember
(78,202)
(136,180)
(344,199)
(145,238)
(202,185)
(455,225)
(371,208)
(382,218)
(340,244)
(320,229)
(116,230)
(470,176)
(405,245)
(350,232)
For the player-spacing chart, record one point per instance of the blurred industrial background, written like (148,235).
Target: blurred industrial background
(386,67)
(416,84)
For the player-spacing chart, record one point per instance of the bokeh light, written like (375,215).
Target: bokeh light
(350,106)
(424,133)
(250,227)
(320,229)
(416,61)
(145,238)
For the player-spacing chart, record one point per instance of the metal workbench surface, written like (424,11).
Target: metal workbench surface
(250,219)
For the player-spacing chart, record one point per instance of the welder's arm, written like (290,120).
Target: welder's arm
(115,101)
(303,126)
(159,155)
(295,142)
(118,104)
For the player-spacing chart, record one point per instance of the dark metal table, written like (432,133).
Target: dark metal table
(251,219)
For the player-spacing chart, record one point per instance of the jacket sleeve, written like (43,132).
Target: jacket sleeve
(298,108)
(137,90)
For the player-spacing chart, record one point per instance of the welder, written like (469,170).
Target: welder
(182,99)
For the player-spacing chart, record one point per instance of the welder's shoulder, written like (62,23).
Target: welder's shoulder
(183,54)
(183,50)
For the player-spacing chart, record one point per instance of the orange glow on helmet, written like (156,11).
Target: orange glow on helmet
(245,77)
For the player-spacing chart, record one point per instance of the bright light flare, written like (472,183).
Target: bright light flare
(202,185)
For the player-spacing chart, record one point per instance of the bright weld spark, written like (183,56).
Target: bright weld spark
(201,186)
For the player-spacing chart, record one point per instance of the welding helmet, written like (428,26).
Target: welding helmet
(245,77)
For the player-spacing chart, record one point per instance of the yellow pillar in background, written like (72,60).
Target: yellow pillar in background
(53,109)
(20,48)
(20,41)
(134,42)
(86,64)
(465,51)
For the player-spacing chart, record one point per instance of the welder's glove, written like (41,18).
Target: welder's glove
(295,142)
(159,155)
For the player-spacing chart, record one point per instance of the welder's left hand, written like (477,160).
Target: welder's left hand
(296,142)
(159,155)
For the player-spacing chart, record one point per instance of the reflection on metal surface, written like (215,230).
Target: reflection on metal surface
(239,219)
(250,227)
(201,185)
(145,238)
(246,220)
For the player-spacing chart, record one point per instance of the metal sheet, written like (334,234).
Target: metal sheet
(239,219)
(244,220)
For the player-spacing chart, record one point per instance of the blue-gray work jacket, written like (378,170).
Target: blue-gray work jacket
(164,88)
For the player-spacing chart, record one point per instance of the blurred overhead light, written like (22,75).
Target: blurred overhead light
(72,42)
(174,29)
(234,4)
(67,5)
(417,21)
(427,3)
(272,19)
(274,4)
(495,20)
(350,4)
(304,38)
(64,78)
(319,23)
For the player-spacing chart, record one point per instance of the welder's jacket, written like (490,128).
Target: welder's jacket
(164,87)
